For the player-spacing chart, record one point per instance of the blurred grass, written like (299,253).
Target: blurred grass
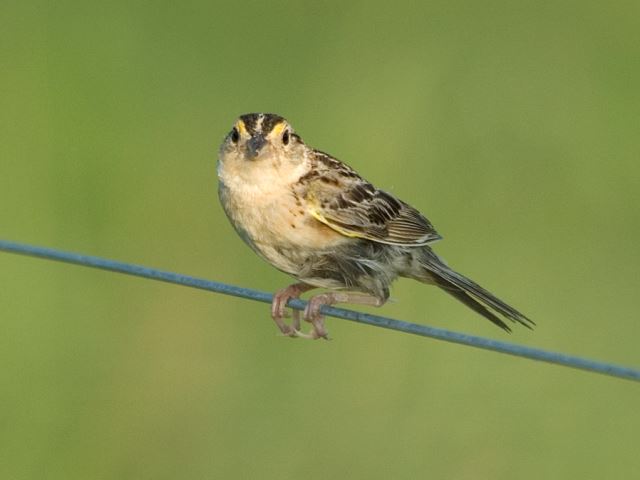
(514,127)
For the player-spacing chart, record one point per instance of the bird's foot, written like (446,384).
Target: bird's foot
(315,318)
(312,311)
(279,312)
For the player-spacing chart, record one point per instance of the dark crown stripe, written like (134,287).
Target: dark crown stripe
(250,121)
(253,125)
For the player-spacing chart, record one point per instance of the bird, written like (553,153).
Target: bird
(316,219)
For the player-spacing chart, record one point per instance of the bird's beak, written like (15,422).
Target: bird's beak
(254,145)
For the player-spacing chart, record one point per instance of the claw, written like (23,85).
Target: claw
(312,335)
(290,334)
(306,336)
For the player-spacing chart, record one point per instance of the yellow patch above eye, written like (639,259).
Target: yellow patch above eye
(278,129)
(241,127)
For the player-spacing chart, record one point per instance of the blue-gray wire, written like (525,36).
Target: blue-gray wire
(375,320)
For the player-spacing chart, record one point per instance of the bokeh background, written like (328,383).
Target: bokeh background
(513,125)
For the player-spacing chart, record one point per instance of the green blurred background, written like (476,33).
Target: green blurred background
(513,125)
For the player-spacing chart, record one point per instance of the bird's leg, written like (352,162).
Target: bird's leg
(279,304)
(312,311)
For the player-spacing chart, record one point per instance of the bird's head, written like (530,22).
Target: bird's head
(260,136)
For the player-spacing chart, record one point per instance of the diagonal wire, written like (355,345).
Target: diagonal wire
(374,320)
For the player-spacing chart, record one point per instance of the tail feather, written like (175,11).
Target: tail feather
(471,302)
(471,294)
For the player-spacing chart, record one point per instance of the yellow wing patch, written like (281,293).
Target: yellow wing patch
(318,216)
(315,213)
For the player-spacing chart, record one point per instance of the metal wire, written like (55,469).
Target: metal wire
(374,320)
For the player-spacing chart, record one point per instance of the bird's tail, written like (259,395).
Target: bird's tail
(436,271)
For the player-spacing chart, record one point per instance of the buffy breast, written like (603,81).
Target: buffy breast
(278,227)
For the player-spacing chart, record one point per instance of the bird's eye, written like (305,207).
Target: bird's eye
(285,137)
(235,136)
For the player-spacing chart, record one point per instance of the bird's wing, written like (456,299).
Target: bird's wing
(353,207)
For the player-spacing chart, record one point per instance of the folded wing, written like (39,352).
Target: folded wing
(355,208)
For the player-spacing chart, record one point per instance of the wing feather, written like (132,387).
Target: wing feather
(344,201)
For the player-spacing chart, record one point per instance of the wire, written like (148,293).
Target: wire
(374,320)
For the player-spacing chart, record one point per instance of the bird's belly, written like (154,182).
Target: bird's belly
(278,229)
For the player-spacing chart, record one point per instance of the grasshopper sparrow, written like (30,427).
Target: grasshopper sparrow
(315,218)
